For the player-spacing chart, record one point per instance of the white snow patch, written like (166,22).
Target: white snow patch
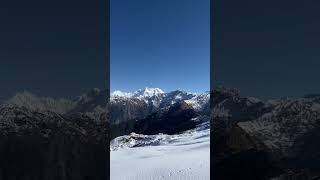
(148,92)
(176,157)
(121,94)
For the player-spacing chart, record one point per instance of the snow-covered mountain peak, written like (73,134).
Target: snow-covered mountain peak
(141,93)
(154,98)
(148,92)
(121,94)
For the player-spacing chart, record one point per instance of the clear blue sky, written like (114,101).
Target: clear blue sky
(163,44)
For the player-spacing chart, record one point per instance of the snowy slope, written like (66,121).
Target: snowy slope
(173,157)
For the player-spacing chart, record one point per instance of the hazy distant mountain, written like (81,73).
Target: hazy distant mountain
(92,103)
(33,102)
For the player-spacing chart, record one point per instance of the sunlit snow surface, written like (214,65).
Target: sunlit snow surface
(170,157)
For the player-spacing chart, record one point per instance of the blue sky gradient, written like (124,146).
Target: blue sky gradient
(163,44)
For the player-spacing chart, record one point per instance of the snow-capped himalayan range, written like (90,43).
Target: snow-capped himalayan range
(158,97)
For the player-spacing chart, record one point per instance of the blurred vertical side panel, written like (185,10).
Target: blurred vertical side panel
(54,76)
(265,90)
(107,85)
(212,6)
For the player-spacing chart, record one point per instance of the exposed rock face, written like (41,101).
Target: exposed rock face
(124,110)
(45,145)
(170,120)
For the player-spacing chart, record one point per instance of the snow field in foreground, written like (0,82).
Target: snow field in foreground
(187,158)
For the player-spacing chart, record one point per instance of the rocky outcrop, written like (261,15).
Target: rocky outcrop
(124,110)
(170,120)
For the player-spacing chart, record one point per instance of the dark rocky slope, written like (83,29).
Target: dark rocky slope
(174,119)
(44,145)
(171,120)
(254,139)
(124,110)
(241,156)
